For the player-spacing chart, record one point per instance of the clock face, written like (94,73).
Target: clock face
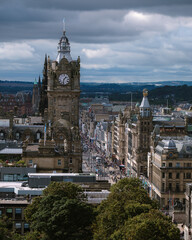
(170,154)
(64,79)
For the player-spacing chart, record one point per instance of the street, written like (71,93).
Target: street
(95,162)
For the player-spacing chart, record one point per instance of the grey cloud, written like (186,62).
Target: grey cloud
(168,7)
(100,4)
(34,19)
(154,49)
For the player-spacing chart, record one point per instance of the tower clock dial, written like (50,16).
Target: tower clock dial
(64,79)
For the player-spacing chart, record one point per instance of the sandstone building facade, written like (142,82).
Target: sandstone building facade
(131,137)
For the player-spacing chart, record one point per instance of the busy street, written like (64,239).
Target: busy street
(95,161)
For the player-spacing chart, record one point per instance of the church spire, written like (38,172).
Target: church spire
(39,81)
(43,99)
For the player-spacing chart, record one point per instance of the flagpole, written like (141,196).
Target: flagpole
(45,134)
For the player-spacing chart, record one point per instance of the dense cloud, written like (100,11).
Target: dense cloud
(119,41)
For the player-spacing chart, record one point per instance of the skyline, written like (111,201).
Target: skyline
(117,42)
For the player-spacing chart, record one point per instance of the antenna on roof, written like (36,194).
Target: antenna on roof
(131,100)
(63,24)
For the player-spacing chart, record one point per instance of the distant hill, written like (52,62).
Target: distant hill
(159,92)
(172,93)
(12,87)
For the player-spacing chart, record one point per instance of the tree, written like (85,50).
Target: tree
(61,213)
(127,204)
(67,190)
(150,226)
(5,233)
(126,200)
(131,189)
(28,236)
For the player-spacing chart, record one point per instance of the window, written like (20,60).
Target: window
(163,187)
(177,164)
(187,164)
(163,164)
(177,175)
(9,212)
(170,186)
(17,225)
(163,175)
(170,164)
(70,170)
(18,213)
(26,225)
(30,161)
(18,210)
(170,175)
(177,187)
(0,213)
(71,161)
(8,177)
(188,175)
(1,134)
(59,162)
(17,135)
(38,136)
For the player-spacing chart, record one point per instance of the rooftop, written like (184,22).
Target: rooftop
(11,151)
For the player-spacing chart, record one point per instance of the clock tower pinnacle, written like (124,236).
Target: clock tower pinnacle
(63,47)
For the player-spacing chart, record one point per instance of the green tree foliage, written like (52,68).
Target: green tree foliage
(5,233)
(61,213)
(67,190)
(127,201)
(150,226)
(28,236)
(130,189)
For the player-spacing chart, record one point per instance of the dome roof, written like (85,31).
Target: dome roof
(170,144)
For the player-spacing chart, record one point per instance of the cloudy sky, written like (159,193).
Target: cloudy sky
(117,40)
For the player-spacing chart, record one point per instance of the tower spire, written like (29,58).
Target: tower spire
(145,107)
(63,47)
(64,25)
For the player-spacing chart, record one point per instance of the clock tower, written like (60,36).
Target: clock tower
(63,91)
